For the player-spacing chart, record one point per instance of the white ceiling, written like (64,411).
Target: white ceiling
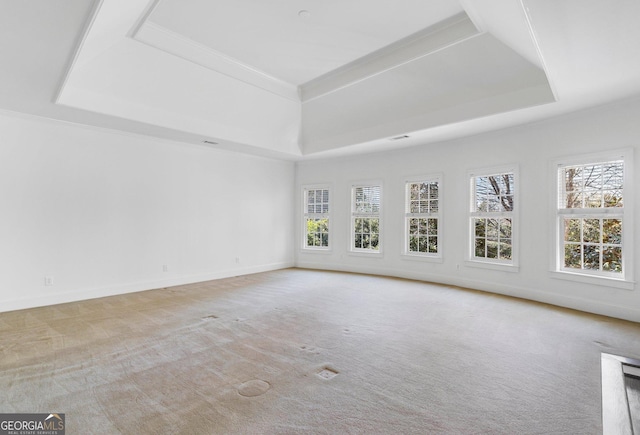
(257,77)
(280,40)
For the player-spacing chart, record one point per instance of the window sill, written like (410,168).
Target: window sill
(494,266)
(592,279)
(316,251)
(422,258)
(371,254)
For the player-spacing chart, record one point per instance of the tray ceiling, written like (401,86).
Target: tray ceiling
(301,79)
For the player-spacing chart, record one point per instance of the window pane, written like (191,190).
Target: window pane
(613,198)
(591,257)
(325,239)
(424,244)
(358,241)
(612,231)
(480,248)
(433,227)
(572,256)
(612,259)
(593,199)
(593,186)
(413,244)
(572,230)
(492,249)
(423,227)
(413,226)
(505,249)
(433,245)
(367,199)
(375,241)
(375,225)
(414,191)
(591,230)
(480,227)
(505,228)
(492,229)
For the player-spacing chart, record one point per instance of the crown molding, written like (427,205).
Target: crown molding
(178,45)
(76,54)
(413,47)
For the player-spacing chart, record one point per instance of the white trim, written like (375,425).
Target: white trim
(76,55)
(627,312)
(118,289)
(536,44)
(592,279)
(496,264)
(142,19)
(414,47)
(161,38)
(429,258)
(139,136)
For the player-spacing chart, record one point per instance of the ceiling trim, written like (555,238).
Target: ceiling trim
(413,47)
(78,49)
(151,6)
(534,39)
(161,38)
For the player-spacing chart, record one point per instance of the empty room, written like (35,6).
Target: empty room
(335,217)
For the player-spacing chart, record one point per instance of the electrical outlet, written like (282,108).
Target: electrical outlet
(165,268)
(237,260)
(48,280)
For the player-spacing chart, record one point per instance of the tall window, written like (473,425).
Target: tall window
(591,218)
(492,217)
(365,218)
(422,217)
(316,218)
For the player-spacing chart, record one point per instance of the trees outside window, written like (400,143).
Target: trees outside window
(316,218)
(492,216)
(365,218)
(422,217)
(591,216)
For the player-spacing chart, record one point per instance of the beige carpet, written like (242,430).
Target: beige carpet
(298,351)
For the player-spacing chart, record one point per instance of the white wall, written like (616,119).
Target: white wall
(102,212)
(532,147)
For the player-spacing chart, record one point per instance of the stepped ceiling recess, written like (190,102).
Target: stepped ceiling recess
(307,78)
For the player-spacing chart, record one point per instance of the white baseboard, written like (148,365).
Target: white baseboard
(573,302)
(99,292)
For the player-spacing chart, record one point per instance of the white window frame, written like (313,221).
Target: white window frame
(308,215)
(408,215)
(355,215)
(506,265)
(622,280)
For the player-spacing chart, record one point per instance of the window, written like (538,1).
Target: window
(316,218)
(365,218)
(593,222)
(492,218)
(422,217)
